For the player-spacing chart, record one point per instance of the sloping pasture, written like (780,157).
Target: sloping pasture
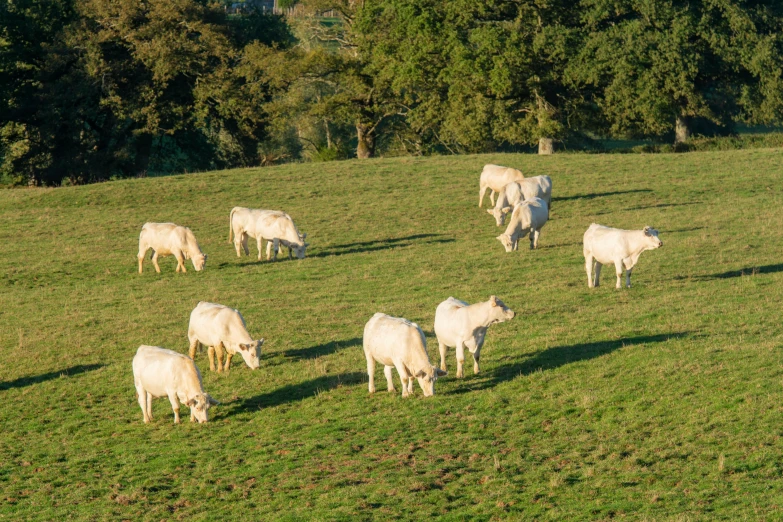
(662,402)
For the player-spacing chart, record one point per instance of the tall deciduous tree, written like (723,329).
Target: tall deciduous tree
(660,64)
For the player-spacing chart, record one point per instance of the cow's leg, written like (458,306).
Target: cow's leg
(618,270)
(538,234)
(244,243)
(193,347)
(388,373)
(410,385)
(492,195)
(142,395)
(533,239)
(290,257)
(589,270)
(149,405)
(180,261)
(598,267)
(174,406)
(268,250)
(276,247)
(260,244)
(211,355)
(370,371)
(442,350)
(229,355)
(155,261)
(403,376)
(460,357)
(219,352)
(141,255)
(476,356)
(628,277)
(482,191)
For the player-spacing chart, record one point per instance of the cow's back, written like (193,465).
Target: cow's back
(159,370)
(448,318)
(213,323)
(386,337)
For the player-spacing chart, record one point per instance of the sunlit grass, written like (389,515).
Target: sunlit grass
(660,402)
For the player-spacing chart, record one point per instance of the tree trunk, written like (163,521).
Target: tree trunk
(546,146)
(682,131)
(366,147)
(328,134)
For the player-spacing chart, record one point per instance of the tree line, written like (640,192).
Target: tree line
(101,89)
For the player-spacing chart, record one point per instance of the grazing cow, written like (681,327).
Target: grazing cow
(222,328)
(276,227)
(494,178)
(399,343)
(158,372)
(460,325)
(528,217)
(604,245)
(518,191)
(168,239)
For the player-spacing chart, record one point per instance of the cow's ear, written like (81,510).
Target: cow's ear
(212,401)
(191,403)
(244,347)
(261,342)
(647,231)
(420,374)
(304,236)
(493,300)
(506,210)
(440,373)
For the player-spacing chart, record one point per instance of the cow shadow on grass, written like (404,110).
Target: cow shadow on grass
(382,244)
(296,392)
(558,356)
(748,271)
(599,194)
(321,349)
(36,379)
(664,205)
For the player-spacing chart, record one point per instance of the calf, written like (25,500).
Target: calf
(158,372)
(460,325)
(399,343)
(494,178)
(222,328)
(528,217)
(276,227)
(518,191)
(168,239)
(604,245)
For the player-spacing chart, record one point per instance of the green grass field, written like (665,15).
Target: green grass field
(662,402)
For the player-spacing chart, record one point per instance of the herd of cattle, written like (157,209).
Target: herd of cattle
(393,342)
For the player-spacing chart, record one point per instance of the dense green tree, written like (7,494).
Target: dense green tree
(127,83)
(661,64)
(476,75)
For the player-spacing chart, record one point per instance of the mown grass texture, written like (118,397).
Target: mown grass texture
(661,402)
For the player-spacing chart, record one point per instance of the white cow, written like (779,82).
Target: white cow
(460,325)
(494,178)
(168,239)
(528,217)
(158,372)
(397,342)
(518,191)
(275,226)
(605,245)
(222,328)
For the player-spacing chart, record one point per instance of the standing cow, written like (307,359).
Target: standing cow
(529,217)
(605,245)
(460,325)
(222,328)
(275,226)
(398,343)
(518,191)
(494,178)
(168,239)
(158,372)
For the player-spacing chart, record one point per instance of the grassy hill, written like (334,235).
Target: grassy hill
(662,402)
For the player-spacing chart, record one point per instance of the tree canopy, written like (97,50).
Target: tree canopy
(94,89)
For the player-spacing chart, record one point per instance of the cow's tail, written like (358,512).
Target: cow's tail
(231,224)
